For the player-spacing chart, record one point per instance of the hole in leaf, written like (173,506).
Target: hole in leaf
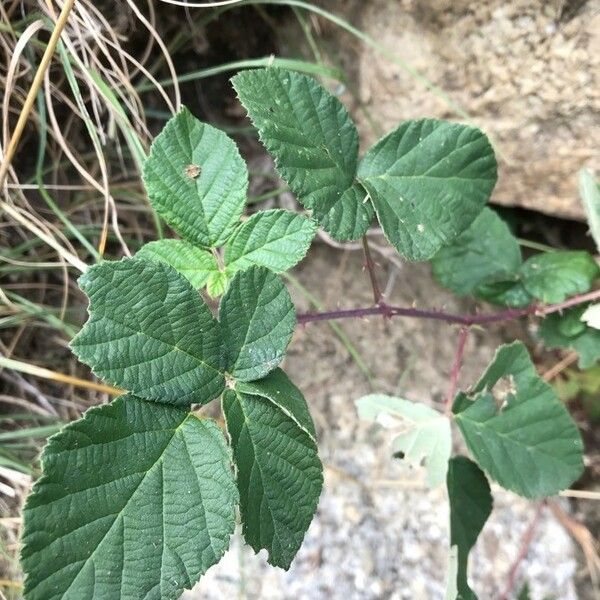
(501,392)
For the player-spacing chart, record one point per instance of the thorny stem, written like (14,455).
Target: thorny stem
(525,544)
(460,352)
(450,318)
(370,264)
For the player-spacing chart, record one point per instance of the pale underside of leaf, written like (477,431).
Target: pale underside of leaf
(590,196)
(137,500)
(591,316)
(279,475)
(428,181)
(149,332)
(426,434)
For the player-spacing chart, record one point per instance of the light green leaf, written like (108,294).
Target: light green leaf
(137,500)
(426,436)
(279,475)
(428,181)
(314,142)
(517,429)
(150,333)
(276,239)
(485,253)
(590,196)
(195,264)
(258,318)
(566,330)
(554,276)
(196,180)
(217,284)
(470,506)
(279,389)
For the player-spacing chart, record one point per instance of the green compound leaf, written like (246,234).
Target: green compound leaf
(428,181)
(517,429)
(276,239)
(150,333)
(196,180)
(279,475)
(426,437)
(137,500)
(470,506)
(567,330)
(590,196)
(314,142)
(279,389)
(195,264)
(554,276)
(257,318)
(485,253)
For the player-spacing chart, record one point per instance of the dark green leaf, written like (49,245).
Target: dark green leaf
(428,181)
(517,429)
(314,142)
(505,293)
(485,253)
(150,333)
(258,319)
(195,264)
(279,389)
(566,330)
(196,180)
(470,507)
(554,276)
(279,475)
(137,500)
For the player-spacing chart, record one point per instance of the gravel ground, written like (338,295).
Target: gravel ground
(379,533)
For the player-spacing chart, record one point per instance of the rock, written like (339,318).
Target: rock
(511,66)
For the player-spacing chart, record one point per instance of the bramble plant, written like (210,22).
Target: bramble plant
(139,497)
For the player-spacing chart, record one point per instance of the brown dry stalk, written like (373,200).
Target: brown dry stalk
(36,371)
(35,88)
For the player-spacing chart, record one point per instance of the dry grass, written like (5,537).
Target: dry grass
(71,194)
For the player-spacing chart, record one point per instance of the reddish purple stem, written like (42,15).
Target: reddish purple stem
(451,318)
(458,359)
